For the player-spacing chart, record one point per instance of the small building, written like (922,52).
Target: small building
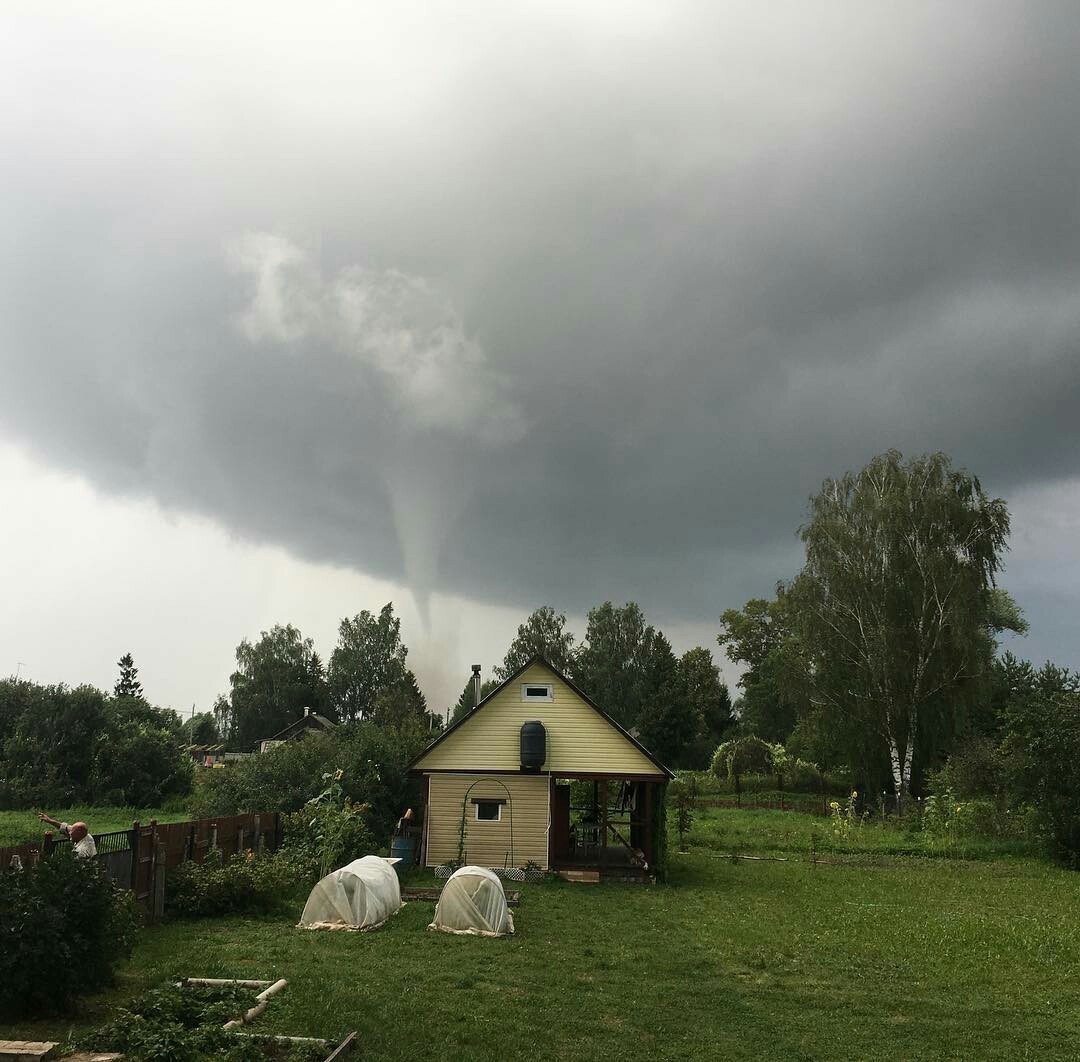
(538,773)
(308,722)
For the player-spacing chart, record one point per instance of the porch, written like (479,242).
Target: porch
(604,827)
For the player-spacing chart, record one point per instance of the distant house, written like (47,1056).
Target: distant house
(308,722)
(539,773)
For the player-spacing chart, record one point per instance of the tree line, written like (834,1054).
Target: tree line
(62,746)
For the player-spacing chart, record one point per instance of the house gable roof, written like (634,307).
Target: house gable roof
(312,720)
(660,769)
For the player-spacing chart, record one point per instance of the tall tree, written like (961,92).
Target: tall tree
(128,684)
(201,729)
(760,636)
(709,700)
(368,660)
(543,633)
(401,704)
(275,679)
(894,601)
(467,701)
(667,722)
(610,665)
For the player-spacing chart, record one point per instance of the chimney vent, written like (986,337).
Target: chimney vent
(476,684)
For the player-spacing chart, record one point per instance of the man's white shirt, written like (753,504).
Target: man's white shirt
(85,848)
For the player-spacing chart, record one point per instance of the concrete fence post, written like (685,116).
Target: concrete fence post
(258,835)
(213,836)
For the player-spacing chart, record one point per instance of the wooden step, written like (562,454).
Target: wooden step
(589,877)
(26,1050)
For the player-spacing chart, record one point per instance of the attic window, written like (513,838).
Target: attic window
(537,691)
(488,810)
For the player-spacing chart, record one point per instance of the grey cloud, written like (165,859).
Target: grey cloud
(542,304)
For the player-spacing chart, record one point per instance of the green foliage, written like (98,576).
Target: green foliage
(612,662)
(373,760)
(275,679)
(137,760)
(201,729)
(467,701)
(544,633)
(1043,743)
(667,722)
(844,818)
(760,635)
(64,927)
(173,1024)
(368,661)
(708,702)
(128,684)
(329,830)
(241,884)
(65,746)
(894,605)
(400,705)
(683,794)
(744,755)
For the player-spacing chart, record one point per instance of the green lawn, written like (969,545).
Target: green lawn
(19,826)
(727,830)
(905,958)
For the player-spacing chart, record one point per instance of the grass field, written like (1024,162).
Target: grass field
(903,957)
(19,826)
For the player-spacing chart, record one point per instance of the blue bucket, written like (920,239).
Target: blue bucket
(403,848)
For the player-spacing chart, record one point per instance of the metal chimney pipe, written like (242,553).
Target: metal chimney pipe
(476,684)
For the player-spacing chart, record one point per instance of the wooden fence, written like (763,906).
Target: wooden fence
(139,858)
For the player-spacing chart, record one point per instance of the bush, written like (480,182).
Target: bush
(242,884)
(745,755)
(63,928)
(329,831)
(373,760)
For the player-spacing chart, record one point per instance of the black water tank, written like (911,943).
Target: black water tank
(533,745)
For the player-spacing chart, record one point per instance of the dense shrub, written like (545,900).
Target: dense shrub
(748,764)
(241,884)
(1043,746)
(63,928)
(116,750)
(744,755)
(373,761)
(330,830)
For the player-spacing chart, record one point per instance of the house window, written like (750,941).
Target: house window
(537,691)
(488,810)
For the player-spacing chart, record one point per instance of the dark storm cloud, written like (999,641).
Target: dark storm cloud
(539,306)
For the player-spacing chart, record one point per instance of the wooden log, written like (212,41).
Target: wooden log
(345,1045)
(262,1002)
(221,982)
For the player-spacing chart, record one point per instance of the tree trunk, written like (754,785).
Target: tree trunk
(901,764)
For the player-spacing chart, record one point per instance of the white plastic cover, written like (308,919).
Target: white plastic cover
(362,895)
(473,902)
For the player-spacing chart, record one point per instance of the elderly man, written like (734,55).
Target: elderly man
(81,841)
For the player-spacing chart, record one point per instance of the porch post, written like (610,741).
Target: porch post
(603,813)
(648,791)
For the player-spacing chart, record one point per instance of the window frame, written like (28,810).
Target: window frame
(498,809)
(526,699)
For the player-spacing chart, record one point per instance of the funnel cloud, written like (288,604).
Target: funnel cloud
(530,303)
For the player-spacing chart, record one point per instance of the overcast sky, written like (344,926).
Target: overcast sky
(481,306)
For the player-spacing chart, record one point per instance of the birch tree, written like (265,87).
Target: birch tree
(896,596)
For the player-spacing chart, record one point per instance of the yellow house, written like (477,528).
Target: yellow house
(498,792)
